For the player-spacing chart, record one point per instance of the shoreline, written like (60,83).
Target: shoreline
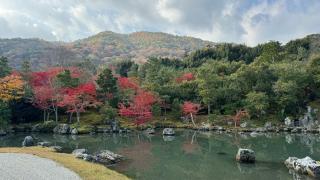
(123,130)
(86,170)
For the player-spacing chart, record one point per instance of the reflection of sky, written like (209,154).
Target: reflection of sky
(249,22)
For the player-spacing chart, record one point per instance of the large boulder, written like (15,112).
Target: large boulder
(303,166)
(28,141)
(168,132)
(107,157)
(245,156)
(62,129)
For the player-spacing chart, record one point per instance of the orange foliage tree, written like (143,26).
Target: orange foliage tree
(11,87)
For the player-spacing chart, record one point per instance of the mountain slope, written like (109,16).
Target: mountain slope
(101,48)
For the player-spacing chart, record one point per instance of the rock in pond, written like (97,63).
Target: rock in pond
(245,156)
(205,127)
(168,132)
(150,131)
(268,126)
(115,127)
(220,128)
(3,132)
(44,144)
(74,131)
(62,129)
(36,128)
(107,157)
(244,124)
(287,121)
(28,141)
(304,166)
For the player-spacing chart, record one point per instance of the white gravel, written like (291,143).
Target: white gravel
(16,166)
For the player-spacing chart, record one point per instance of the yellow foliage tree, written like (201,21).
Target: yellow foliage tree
(11,87)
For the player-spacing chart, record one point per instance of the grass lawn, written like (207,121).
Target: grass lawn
(86,170)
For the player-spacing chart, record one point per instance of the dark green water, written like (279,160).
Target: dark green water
(191,155)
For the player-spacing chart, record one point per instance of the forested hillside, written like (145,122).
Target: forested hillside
(102,48)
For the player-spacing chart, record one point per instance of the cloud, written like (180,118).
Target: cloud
(240,21)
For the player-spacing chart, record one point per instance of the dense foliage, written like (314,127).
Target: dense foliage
(227,79)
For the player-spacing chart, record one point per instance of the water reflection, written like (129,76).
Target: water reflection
(191,154)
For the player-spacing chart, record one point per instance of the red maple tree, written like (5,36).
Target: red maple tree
(190,109)
(140,108)
(127,83)
(185,77)
(78,99)
(45,91)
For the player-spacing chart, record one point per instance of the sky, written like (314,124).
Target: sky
(240,21)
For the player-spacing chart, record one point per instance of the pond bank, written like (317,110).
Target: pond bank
(103,129)
(85,170)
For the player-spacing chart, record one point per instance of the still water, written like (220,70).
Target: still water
(190,154)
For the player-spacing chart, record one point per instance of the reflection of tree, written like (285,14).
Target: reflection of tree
(141,157)
(191,146)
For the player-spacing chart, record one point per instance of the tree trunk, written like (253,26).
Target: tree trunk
(70,117)
(44,116)
(209,109)
(56,114)
(192,120)
(48,116)
(165,113)
(78,117)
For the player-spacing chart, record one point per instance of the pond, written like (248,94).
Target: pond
(191,154)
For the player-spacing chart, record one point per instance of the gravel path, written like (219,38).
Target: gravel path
(15,166)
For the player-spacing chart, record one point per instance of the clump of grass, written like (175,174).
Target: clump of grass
(86,170)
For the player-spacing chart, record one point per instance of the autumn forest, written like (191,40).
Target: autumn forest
(266,81)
